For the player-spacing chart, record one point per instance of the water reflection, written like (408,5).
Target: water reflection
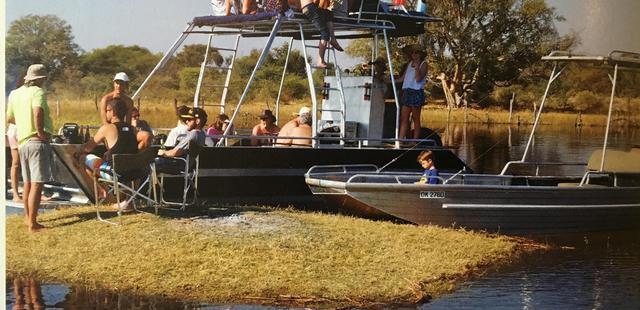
(596,272)
(28,293)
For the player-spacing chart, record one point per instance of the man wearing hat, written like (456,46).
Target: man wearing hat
(266,127)
(120,86)
(195,119)
(288,129)
(27,108)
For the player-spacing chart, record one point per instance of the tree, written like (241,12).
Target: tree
(192,56)
(485,43)
(39,39)
(136,61)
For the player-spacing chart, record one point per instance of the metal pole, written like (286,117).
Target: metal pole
(393,85)
(606,132)
(552,77)
(284,72)
(263,56)
(203,66)
(312,90)
(165,58)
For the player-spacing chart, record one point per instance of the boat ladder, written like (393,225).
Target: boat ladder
(209,64)
(325,89)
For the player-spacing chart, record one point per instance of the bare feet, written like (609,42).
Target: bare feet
(45,198)
(17,198)
(321,64)
(37,227)
(336,45)
(124,207)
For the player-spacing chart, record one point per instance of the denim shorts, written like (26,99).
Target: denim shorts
(412,97)
(35,159)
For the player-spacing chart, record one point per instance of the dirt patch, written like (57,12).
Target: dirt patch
(243,223)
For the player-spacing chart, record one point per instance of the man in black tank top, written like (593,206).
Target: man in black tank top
(117,136)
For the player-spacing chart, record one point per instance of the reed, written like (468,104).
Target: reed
(256,255)
(160,114)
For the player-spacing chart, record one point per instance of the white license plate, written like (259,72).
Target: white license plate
(431,195)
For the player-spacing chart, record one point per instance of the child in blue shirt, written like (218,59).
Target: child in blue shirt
(425,159)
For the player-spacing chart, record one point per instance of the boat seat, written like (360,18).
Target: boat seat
(616,161)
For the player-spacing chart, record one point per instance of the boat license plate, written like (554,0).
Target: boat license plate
(431,195)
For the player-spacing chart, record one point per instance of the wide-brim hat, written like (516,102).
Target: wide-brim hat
(303,110)
(36,71)
(267,114)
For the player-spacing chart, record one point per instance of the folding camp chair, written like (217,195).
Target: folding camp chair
(127,168)
(184,167)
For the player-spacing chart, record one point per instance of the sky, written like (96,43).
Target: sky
(603,25)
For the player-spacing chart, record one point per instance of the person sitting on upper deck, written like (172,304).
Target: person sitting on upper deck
(266,127)
(223,7)
(287,129)
(195,120)
(429,176)
(181,128)
(317,12)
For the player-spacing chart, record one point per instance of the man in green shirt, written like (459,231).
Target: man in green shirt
(27,108)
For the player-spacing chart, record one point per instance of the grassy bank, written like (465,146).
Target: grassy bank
(159,114)
(261,256)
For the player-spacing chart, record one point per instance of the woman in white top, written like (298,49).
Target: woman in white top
(413,98)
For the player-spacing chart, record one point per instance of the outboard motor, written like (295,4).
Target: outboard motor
(71,133)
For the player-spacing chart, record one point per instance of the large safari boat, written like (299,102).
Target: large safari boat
(363,125)
(605,197)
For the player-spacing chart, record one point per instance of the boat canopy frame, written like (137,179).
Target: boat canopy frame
(272,25)
(616,61)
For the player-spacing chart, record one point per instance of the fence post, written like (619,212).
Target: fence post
(513,97)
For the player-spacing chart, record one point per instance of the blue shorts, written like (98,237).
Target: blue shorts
(412,97)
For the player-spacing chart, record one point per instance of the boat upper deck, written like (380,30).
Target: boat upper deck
(360,24)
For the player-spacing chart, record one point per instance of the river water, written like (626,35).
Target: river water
(584,272)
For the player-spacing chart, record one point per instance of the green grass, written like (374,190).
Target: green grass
(264,256)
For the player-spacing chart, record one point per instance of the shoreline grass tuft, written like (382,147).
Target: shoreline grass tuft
(262,257)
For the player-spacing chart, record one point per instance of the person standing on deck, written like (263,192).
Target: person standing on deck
(120,86)
(413,97)
(27,108)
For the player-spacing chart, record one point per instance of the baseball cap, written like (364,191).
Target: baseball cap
(195,113)
(303,110)
(121,76)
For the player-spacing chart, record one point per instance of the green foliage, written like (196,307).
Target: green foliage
(587,101)
(136,61)
(43,39)
(193,55)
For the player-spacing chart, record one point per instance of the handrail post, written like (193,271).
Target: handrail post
(606,132)
(393,85)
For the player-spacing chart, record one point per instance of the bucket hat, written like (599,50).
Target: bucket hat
(303,110)
(37,71)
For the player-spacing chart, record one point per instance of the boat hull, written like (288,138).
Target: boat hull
(511,210)
(266,175)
